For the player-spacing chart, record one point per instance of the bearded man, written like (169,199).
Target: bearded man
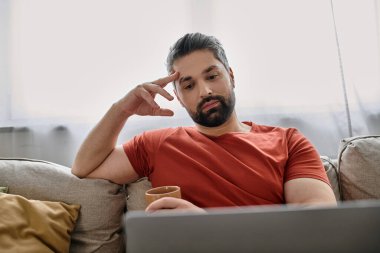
(218,162)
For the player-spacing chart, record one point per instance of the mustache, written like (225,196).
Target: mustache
(208,99)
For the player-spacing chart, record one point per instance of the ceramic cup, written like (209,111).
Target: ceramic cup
(160,192)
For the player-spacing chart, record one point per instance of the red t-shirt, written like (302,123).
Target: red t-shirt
(234,169)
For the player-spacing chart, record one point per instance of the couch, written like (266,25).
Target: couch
(91,210)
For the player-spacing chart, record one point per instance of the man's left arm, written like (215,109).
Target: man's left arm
(308,191)
(305,179)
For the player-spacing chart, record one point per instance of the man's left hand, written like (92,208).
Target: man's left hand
(173,204)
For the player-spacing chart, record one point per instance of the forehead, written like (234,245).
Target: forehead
(195,63)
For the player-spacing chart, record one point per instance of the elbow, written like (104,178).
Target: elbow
(77,172)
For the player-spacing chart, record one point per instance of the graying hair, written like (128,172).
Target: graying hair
(196,41)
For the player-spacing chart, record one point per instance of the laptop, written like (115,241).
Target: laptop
(350,227)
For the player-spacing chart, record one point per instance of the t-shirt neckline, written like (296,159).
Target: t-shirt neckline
(249,123)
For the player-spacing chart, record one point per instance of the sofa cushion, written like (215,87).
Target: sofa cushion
(34,225)
(136,194)
(331,167)
(99,226)
(359,168)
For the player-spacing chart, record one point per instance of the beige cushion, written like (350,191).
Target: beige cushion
(136,194)
(35,226)
(99,226)
(359,168)
(331,167)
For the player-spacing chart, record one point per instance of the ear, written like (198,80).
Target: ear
(175,92)
(232,78)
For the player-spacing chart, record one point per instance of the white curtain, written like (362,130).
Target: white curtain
(68,61)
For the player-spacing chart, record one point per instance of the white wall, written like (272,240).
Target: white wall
(65,62)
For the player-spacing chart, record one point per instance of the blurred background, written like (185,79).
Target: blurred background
(309,64)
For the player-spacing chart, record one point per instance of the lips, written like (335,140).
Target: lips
(210,104)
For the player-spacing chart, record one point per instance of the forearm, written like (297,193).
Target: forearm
(100,142)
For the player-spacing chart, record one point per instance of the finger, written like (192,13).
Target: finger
(163,203)
(165,80)
(148,98)
(162,112)
(158,89)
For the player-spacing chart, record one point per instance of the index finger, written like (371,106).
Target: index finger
(163,203)
(165,80)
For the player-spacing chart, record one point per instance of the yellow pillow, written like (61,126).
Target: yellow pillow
(34,225)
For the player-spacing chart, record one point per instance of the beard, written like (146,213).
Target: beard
(216,116)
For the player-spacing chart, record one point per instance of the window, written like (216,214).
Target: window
(73,59)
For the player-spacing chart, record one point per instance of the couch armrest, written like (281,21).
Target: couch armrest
(99,226)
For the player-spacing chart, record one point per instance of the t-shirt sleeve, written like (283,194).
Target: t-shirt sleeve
(136,153)
(140,152)
(142,149)
(303,159)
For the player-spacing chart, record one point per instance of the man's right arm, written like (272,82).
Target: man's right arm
(98,156)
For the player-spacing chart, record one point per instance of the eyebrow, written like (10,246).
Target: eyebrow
(187,78)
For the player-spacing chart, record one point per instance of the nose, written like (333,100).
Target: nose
(204,90)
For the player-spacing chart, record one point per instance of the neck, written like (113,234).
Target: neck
(231,125)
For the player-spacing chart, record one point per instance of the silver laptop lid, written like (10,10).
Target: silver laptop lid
(350,227)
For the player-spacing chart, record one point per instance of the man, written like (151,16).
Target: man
(218,162)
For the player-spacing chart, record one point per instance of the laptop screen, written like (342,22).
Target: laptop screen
(350,227)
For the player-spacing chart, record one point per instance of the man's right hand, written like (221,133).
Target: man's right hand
(140,100)
(98,157)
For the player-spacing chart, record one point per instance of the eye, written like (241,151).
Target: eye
(188,86)
(212,77)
